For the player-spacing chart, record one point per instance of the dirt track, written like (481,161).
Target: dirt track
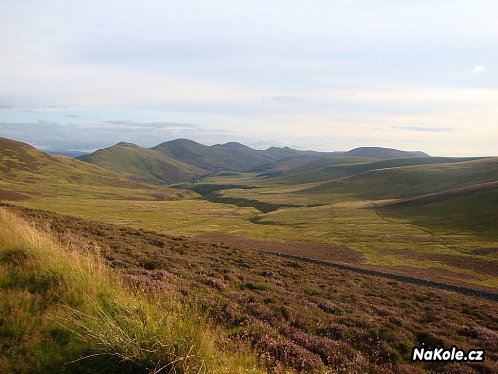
(321,251)
(340,257)
(401,278)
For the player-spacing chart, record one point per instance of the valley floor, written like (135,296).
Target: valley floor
(345,232)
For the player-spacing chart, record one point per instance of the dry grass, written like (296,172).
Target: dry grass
(64,309)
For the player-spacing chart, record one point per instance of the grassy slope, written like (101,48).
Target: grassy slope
(26,169)
(285,164)
(209,158)
(384,153)
(387,180)
(309,317)
(399,182)
(333,168)
(278,167)
(224,157)
(446,235)
(27,164)
(63,310)
(143,164)
(243,155)
(476,213)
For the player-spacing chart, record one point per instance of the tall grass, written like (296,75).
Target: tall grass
(64,310)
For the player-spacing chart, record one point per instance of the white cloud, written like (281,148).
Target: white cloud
(478,69)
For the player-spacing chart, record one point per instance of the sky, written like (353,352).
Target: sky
(328,75)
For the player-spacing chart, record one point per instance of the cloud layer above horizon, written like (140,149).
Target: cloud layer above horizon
(325,75)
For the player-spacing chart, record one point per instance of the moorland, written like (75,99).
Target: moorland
(226,231)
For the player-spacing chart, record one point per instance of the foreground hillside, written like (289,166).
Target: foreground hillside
(305,316)
(64,310)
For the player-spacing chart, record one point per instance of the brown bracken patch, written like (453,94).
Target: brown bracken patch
(439,196)
(479,265)
(12,195)
(327,252)
(485,251)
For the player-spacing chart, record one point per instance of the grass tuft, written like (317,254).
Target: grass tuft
(64,310)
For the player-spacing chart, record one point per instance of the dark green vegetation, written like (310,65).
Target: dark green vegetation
(278,166)
(475,212)
(230,156)
(143,164)
(305,316)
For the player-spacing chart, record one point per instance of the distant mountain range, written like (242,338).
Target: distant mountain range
(183,160)
(64,152)
(366,173)
(225,157)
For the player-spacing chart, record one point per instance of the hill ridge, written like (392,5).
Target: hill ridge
(143,164)
(26,169)
(383,153)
